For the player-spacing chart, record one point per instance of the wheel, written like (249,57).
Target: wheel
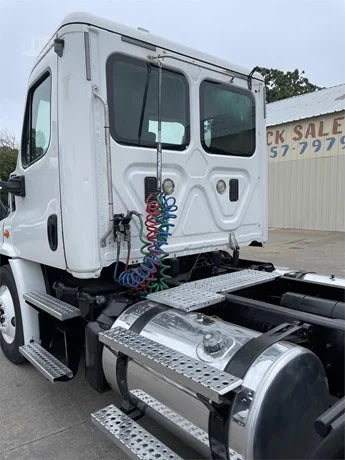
(11,326)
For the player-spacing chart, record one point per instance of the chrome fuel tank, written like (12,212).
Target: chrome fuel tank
(272,416)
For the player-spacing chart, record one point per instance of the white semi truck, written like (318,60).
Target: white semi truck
(142,170)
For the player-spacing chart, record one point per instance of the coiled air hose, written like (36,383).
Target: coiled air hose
(168,208)
(152,272)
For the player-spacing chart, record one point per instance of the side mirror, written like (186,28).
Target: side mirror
(4,211)
(15,185)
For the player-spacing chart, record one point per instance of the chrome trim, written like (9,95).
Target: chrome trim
(87,56)
(97,94)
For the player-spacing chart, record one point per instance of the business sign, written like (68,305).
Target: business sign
(307,139)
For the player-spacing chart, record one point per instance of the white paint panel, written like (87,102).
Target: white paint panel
(78,157)
(28,277)
(29,223)
(204,218)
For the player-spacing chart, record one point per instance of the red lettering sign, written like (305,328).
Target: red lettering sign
(269,134)
(310,131)
(298,130)
(336,125)
(279,136)
(321,131)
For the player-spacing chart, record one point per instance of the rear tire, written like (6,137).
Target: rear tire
(11,326)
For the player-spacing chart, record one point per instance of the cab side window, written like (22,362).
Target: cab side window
(36,135)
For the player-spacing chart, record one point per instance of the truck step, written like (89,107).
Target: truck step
(130,437)
(45,362)
(198,377)
(209,291)
(187,297)
(169,417)
(234,281)
(172,417)
(55,307)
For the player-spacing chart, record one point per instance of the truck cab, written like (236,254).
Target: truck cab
(63,157)
(142,171)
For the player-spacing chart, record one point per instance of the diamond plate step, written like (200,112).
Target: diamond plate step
(181,424)
(233,281)
(172,417)
(46,363)
(209,291)
(199,377)
(55,307)
(186,297)
(134,440)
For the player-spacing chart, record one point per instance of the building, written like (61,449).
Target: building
(306,151)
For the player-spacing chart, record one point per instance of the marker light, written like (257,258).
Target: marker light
(168,186)
(221,186)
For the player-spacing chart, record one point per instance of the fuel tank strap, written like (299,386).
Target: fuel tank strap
(241,361)
(122,360)
(239,364)
(218,429)
(146,317)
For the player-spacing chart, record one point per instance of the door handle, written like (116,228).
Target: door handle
(52,232)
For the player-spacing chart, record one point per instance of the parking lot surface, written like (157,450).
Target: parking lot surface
(312,251)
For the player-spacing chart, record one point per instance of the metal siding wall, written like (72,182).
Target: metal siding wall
(307,192)
(308,195)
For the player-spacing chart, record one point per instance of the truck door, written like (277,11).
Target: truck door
(36,225)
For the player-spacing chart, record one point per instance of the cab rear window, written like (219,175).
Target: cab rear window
(227,119)
(132,86)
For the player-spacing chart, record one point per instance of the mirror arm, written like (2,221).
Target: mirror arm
(15,185)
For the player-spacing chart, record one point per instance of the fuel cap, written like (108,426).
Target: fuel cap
(213,341)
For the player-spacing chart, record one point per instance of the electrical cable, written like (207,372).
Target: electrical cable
(118,247)
(139,277)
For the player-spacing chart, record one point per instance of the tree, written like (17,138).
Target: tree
(8,161)
(281,85)
(8,154)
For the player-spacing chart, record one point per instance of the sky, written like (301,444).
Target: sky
(284,34)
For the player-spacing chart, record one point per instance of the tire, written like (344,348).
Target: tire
(11,333)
